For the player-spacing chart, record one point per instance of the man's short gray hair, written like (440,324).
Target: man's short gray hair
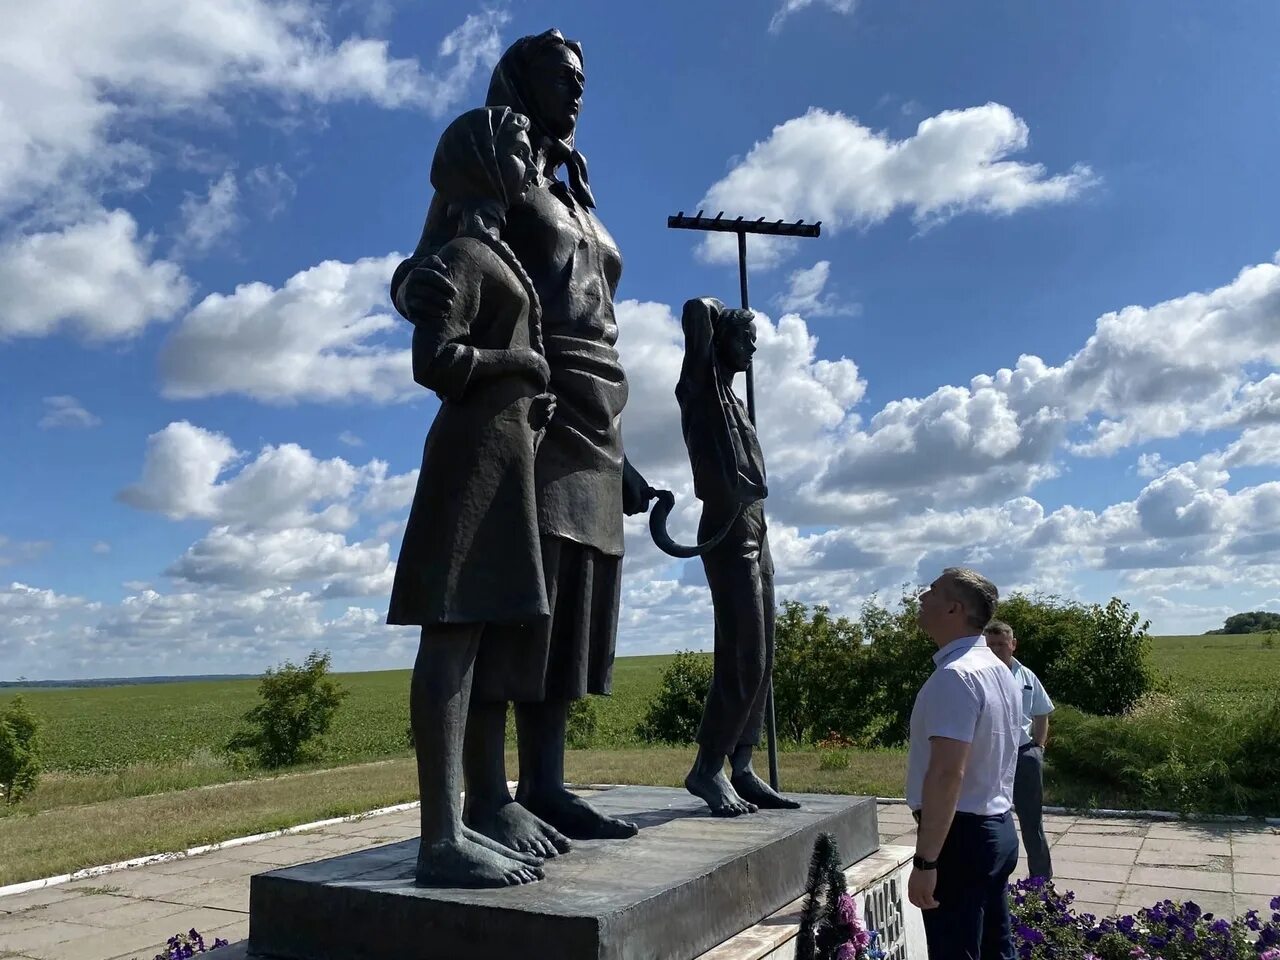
(975,593)
(1000,627)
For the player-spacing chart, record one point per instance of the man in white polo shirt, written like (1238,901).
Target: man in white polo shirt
(965,731)
(1028,782)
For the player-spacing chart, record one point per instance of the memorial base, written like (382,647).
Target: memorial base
(687,883)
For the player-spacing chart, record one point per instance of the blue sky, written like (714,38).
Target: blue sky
(1037,335)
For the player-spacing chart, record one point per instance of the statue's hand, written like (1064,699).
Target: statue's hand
(636,493)
(541,410)
(427,292)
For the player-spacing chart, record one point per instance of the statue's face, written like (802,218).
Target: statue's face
(515,159)
(738,345)
(558,82)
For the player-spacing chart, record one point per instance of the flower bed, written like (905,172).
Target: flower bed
(1045,927)
(184,945)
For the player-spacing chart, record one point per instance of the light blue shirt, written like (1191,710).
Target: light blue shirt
(1035,702)
(971,696)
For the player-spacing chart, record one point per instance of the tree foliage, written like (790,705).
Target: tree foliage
(298,705)
(858,679)
(20,764)
(1255,621)
(1092,656)
(675,712)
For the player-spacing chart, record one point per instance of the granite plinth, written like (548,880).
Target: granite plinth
(686,883)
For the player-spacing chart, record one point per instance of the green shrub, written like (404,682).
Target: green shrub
(834,759)
(675,712)
(814,672)
(1090,656)
(19,751)
(583,723)
(1183,755)
(855,679)
(298,705)
(899,661)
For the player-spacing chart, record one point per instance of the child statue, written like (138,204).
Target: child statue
(729,479)
(471,556)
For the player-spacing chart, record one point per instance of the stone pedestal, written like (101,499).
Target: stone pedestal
(685,884)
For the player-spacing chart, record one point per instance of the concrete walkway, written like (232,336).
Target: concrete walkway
(1112,865)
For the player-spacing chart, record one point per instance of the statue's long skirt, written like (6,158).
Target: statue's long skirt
(568,655)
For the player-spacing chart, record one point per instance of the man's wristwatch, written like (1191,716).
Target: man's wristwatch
(920,863)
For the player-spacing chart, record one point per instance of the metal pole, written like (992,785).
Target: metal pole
(770,718)
(746,305)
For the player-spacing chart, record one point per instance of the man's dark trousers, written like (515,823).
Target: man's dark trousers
(971,921)
(1028,802)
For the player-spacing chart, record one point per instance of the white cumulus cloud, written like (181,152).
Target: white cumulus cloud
(95,278)
(825,166)
(327,334)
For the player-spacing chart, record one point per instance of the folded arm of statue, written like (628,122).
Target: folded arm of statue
(443,361)
(698,321)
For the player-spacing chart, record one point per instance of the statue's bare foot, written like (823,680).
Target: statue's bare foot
(574,817)
(719,795)
(462,863)
(475,836)
(754,790)
(511,825)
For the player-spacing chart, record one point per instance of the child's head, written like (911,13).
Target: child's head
(484,159)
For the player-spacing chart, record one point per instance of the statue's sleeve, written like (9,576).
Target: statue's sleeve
(697,319)
(442,359)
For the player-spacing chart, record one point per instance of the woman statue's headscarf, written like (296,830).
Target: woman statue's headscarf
(467,174)
(510,87)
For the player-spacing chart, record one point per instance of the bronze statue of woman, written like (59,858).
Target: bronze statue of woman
(471,558)
(582,479)
(729,479)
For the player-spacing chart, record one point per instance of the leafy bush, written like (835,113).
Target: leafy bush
(1090,656)
(1046,927)
(815,674)
(19,751)
(583,723)
(899,660)
(855,679)
(675,712)
(298,705)
(1183,755)
(859,678)
(835,752)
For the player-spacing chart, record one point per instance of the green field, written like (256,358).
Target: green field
(110,742)
(1222,670)
(93,730)
(99,729)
